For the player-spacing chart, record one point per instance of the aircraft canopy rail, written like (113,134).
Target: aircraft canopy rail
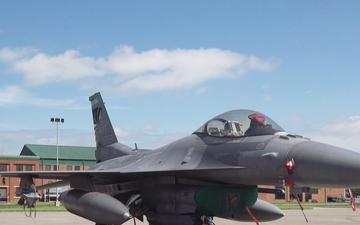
(239,123)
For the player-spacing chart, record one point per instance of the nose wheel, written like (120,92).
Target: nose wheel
(207,220)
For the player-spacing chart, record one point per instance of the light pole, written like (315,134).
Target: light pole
(57,120)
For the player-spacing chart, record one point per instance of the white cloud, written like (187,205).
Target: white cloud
(9,55)
(69,66)
(128,71)
(14,95)
(178,69)
(120,133)
(343,133)
(149,137)
(12,141)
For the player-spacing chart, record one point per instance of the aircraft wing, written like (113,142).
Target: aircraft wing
(113,175)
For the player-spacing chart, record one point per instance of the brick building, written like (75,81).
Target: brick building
(321,195)
(41,157)
(9,186)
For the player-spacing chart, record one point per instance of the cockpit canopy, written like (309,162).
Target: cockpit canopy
(239,123)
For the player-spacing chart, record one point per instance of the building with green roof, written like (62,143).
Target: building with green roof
(76,156)
(41,157)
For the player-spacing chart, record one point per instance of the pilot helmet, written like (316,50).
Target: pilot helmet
(257,117)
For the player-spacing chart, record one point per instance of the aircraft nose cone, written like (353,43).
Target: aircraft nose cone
(322,165)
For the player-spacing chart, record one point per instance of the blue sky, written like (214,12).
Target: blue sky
(166,67)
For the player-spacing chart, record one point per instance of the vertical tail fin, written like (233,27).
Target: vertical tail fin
(104,131)
(107,146)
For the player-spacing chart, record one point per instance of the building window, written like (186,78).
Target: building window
(23,167)
(3,167)
(55,167)
(3,194)
(28,168)
(314,191)
(69,167)
(19,167)
(17,191)
(77,167)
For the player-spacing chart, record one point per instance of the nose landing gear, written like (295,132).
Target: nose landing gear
(207,220)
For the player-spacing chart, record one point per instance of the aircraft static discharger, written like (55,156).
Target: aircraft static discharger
(214,172)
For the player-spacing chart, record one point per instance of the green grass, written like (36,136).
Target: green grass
(41,207)
(294,205)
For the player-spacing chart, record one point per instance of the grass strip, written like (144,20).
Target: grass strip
(41,207)
(294,205)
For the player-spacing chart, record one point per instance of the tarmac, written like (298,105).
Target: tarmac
(318,216)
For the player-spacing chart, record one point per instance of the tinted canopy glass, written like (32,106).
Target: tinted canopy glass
(238,123)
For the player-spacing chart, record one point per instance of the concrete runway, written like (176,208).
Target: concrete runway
(318,216)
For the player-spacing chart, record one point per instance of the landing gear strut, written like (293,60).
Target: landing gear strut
(207,220)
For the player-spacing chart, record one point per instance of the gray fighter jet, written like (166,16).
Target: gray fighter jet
(214,172)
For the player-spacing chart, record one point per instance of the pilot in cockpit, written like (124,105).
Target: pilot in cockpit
(258,125)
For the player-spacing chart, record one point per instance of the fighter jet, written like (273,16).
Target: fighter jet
(214,172)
